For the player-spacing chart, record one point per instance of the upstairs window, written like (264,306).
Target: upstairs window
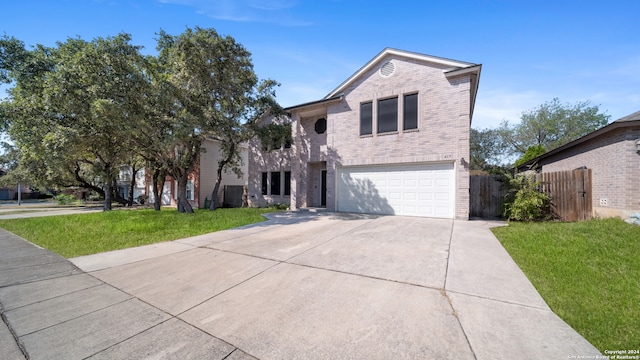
(388,115)
(410,116)
(366,118)
(320,126)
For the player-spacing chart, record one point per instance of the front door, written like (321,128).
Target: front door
(323,188)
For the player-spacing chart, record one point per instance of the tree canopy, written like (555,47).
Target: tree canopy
(552,124)
(80,111)
(487,149)
(543,128)
(71,109)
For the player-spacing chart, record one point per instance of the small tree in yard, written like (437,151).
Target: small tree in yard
(524,200)
(532,152)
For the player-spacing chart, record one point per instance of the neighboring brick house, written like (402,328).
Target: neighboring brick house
(614,159)
(203,179)
(391,139)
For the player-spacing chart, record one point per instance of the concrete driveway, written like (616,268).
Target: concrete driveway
(300,286)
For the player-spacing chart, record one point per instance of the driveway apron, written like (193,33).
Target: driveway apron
(299,286)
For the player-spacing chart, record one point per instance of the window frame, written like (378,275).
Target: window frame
(276,180)
(191,189)
(265,184)
(384,116)
(404,111)
(369,120)
(287,183)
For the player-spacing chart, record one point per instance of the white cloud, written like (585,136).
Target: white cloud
(494,106)
(271,4)
(271,11)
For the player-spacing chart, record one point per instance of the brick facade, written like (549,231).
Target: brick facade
(615,166)
(261,161)
(444,119)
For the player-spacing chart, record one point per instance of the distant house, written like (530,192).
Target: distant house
(124,183)
(203,179)
(11,192)
(391,139)
(613,155)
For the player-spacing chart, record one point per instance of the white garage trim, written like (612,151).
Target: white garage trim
(408,189)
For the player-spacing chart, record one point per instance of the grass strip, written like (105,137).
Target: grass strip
(85,234)
(587,272)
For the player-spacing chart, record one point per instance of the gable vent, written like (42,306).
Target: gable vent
(387,69)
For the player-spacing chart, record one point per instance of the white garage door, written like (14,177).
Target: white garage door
(413,190)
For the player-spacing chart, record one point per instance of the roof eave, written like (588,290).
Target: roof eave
(455,64)
(605,129)
(474,72)
(316,102)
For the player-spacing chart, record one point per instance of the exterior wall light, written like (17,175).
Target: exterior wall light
(638,145)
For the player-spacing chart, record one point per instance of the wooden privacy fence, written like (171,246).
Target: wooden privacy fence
(486,193)
(570,193)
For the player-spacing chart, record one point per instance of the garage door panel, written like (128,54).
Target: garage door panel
(412,189)
(395,195)
(410,196)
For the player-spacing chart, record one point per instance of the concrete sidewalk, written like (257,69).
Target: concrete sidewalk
(34,211)
(300,286)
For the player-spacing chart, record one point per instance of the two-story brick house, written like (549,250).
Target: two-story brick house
(391,139)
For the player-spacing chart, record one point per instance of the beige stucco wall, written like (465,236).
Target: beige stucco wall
(615,169)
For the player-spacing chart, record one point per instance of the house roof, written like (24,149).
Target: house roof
(633,117)
(311,103)
(627,121)
(453,64)
(454,68)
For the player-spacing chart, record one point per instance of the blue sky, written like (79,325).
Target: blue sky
(531,51)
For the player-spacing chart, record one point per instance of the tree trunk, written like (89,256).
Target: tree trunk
(85,184)
(183,204)
(132,185)
(115,195)
(158,186)
(214,193)
(221,164)
(108,191)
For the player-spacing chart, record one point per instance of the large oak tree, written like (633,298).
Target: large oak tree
(215,93)
(82,110)
(71,108)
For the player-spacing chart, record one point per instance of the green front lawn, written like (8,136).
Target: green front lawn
(84,234)
(588,273)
